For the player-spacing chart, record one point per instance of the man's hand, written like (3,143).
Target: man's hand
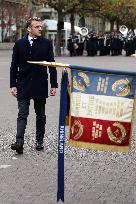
(52,91)
(13,91)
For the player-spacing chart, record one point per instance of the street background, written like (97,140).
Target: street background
(91,177)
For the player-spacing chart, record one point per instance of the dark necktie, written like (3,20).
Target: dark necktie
(34,41)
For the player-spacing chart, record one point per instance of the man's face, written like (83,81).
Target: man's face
(35,29)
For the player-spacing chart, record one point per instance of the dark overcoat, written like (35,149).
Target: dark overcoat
(32,80)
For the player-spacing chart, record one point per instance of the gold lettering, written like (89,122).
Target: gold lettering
(96,134)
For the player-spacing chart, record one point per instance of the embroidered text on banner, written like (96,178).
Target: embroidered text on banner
(101,110)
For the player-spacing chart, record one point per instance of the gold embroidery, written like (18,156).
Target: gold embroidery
(102,84)
(116,137)
(77,104)
(96,130)
(123,91)
(77,128)
(77,85)
(114,108)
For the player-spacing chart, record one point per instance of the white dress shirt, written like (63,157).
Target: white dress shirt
(31,40)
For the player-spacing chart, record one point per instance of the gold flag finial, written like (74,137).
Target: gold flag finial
(51,64)
(133,55)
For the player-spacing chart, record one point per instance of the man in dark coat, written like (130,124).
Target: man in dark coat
(70,46)
(29,81)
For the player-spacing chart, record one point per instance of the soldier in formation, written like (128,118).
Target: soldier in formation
(102,44)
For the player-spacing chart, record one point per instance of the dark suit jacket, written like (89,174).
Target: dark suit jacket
(32,80)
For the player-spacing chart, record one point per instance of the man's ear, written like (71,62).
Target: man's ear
(29,29)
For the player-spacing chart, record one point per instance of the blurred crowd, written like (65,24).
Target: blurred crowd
(102,44)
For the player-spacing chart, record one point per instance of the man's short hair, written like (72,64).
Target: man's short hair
(29,21)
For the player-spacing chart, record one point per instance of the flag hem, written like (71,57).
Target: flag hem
(102,147)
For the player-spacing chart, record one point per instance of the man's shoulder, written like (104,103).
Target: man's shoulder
(20,41)
(45,40)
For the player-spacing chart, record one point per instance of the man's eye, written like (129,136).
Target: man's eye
(38,27)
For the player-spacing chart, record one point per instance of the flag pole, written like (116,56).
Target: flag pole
(84,68)
(50,64)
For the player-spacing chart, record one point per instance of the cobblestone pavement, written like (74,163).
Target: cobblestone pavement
(91,177)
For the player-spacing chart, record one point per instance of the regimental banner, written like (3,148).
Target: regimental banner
(101,110)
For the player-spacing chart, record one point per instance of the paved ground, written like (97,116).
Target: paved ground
(6,45)
(91,177)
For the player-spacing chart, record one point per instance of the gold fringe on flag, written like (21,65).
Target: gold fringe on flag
(101,147)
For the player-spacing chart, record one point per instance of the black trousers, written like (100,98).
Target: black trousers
(23,107)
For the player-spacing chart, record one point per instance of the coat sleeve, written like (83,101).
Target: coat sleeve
(14,67)
(52,70)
